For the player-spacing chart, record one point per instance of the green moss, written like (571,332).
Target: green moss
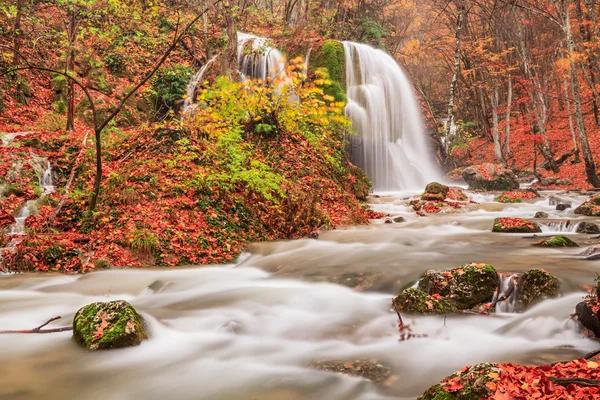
(415,301)
(13,189)
(473,380)
(331,57)
(109,325)
(556,241)
(534,286)
(505,199)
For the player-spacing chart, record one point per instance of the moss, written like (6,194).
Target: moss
(435,191)
(110,325)
(415,301)
(473,381)
(534,286)
(331,57)
(505,199)
(556,241)
(13,189)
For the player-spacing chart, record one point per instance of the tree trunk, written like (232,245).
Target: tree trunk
(588,158)
(229,61)
(18,33)
(71,70)
(495,128)
(590,74)
(450,119)
(507,117)
(571,124)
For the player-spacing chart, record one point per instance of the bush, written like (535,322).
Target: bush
(168,86)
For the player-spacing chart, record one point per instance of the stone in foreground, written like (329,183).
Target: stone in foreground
(533,287)
(112,325)
(515,225)
(556,241)
(590,208)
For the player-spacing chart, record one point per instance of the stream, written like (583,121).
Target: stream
(249,330)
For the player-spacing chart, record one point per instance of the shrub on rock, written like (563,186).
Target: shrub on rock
(111,325)
(415,301)
(534,286)
(490,177)
(556,241)
(515,225)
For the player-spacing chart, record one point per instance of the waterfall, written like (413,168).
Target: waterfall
(257,59)
(390,143)
(559,227)
(189,104)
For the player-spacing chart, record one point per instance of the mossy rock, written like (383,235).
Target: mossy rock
(435,191)
(371,370)
(590,208)
(515,225)
(556,241)
(534,286)
(415,301)
(112,325)
(331,57)
(468,384)
(466,286)
(588,228)
(541,214)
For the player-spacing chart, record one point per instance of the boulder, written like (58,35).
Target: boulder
(435,191)
(587,315)
(563,206)
(588,228)
(466,286)
(471,383)
(515,225)
(541,214)
(371,370)
(556,241)
(490,177)
(415,301)
(590,208)
(534,286)
(591,253)
(110,325)
(388,220)
(398,219)
(457,194)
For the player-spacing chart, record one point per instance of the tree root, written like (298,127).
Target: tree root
(40,330)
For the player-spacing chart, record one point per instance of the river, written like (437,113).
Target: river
(248,331)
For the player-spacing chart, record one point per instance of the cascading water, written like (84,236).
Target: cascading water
(391,145)
(559,226)
(189,104)
(262,62)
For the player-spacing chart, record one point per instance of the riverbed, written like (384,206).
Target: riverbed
(250,330)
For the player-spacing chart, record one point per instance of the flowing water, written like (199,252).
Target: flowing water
(189,104)
(391,143)
(258,59)
(248,330)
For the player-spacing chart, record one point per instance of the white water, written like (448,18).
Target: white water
(259,60)
(189,104)
(391,143)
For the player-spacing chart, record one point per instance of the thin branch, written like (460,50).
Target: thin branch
(40,330)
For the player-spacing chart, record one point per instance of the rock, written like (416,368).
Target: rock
(399,219)
(556,241)
(313,235)
(590,208)
(563,206)
(388,221)
(102,263)
(553,181)
(587,316)
(371,370)
(111,325)
(415,301)
(471,383)
(465,286)
(591,253)
(435,191)
(490,177)
(457,194)
(534,286)
(553,200)
(588,228)
(541,214)
(515,225)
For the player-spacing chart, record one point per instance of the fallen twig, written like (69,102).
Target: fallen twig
(574,381)
(40,330)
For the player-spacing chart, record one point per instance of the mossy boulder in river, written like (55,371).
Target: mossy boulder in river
(591,208)
(465,286)
(435,191)
(415,301)
(472,383)
(556,241)
(111,325)
(534,286)
(515,225)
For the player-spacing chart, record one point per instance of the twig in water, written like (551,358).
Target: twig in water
(40,330)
